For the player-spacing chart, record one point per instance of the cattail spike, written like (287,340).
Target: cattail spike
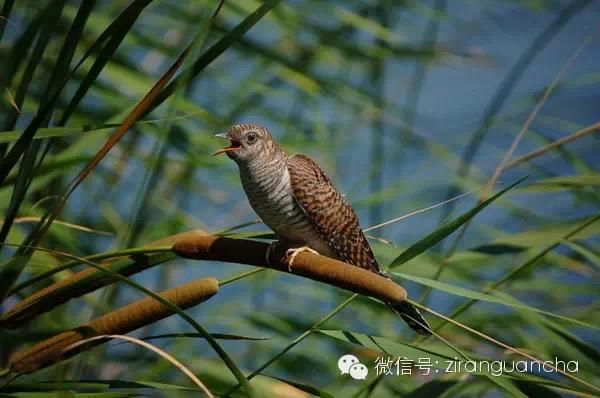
(124,320)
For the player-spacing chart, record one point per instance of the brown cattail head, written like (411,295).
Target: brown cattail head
(88,280)
(319,268)
(121,321)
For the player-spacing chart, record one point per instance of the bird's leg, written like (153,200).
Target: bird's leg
(291,254)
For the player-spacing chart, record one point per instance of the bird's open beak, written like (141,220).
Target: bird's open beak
(235,145)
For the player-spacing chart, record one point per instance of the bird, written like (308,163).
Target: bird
(294,197)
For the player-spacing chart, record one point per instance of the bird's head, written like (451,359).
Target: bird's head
(248,142)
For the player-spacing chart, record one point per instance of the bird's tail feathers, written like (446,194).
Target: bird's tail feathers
(413,318)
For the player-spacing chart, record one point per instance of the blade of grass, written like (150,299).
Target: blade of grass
(13,156)
(506,87)
(60,72)
(368,389)
(82,228)
(14,266)
(49,16)
(567,182)
(52,132)
(150,347)
(537,237)
(446,229)
(532,115)
(129,121)
(295,342)
(115,266)
(21,47)
(505,346)
(214,51)
(4,14)
(594,128)
(422,210)
(439,359)
(152,174)
(462,292)
(25,175)
(9,96)
(592,257)
(575,342)
(114,36)
(23,180)
(525,266)
(498,171)
(218,336)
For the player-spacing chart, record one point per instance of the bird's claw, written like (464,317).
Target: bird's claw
(291,254)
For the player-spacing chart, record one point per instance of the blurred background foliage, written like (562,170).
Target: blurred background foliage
(404,103)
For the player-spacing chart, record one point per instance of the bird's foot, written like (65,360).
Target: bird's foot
(291,254)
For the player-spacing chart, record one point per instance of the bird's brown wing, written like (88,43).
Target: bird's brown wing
(338,226)
(332,216)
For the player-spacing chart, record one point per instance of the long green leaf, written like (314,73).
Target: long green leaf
(580,181)
(215,50)
(589,255)
(536,237)
(462,292)
(13,267)
(296,341)
(6,9)
(446,229)
(528,264)
(16,151)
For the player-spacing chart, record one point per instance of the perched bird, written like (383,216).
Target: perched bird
(294,197)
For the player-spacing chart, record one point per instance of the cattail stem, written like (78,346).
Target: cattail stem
(121,321)
(319,268)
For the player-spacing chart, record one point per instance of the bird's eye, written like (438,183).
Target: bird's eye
(251,138)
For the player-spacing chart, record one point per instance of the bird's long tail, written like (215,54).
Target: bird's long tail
(412,317)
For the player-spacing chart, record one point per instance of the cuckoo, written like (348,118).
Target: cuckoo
(294,197)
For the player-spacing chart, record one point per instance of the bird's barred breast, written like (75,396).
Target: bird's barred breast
(269,192)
